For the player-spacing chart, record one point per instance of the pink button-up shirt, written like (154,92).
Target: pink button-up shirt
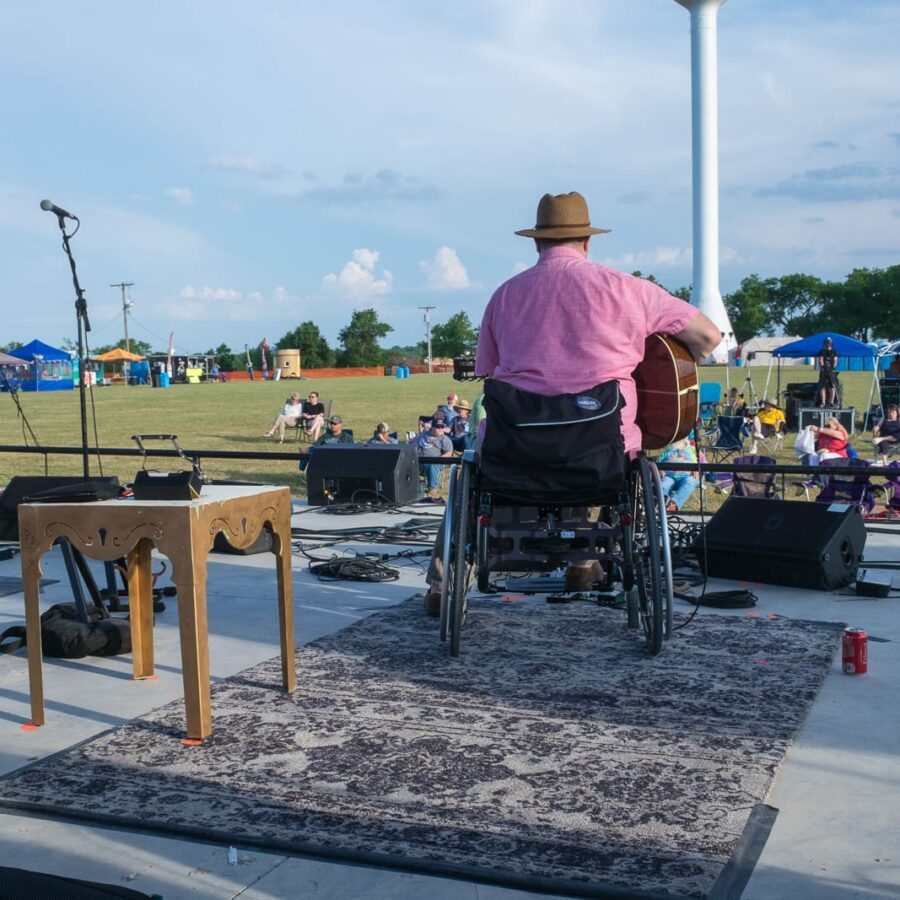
(567,324)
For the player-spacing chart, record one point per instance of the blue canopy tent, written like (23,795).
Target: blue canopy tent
(51,367)
(846,347)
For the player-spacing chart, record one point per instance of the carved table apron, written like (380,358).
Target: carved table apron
(183,531)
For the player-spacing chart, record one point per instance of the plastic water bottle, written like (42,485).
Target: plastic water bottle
(232,856)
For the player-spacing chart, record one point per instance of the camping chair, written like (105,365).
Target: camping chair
(726,439)
(891,488)
(746,484)
(810,481)
(755,484)
(772,442)
(856,489)
(301,426)
(720,442)
(709,401)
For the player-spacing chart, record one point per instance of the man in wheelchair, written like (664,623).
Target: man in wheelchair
(568,326)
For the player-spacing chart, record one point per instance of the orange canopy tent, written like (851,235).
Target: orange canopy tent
(117,355)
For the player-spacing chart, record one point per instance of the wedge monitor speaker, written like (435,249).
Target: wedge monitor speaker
(794,543)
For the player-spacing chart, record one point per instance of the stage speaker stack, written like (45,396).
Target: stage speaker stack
(790,542)
(362,473)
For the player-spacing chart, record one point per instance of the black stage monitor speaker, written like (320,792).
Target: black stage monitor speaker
(360,473)
(791,542)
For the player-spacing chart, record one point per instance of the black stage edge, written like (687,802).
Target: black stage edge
(367,860)
(734,877)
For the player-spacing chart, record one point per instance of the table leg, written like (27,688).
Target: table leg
(281,546)
(140,605)
(193,629)
(31,577)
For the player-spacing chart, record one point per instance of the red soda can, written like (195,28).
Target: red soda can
(855,651)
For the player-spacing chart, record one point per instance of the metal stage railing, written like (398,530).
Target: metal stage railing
(888,472)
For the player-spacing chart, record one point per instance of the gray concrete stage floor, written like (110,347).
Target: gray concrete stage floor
(837,834)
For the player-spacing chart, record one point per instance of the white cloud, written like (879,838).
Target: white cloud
(250,165)
(358,279)
(208,293)
(446,271)
(659,256)
(183,196)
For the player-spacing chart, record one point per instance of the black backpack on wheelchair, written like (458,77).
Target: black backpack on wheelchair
(565,448)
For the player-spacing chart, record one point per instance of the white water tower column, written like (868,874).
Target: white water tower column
(705,153)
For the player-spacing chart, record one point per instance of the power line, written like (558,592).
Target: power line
(126,305)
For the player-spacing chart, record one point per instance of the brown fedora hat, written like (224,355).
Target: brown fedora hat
(562,216)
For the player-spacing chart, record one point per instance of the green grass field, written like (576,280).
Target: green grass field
(234,416)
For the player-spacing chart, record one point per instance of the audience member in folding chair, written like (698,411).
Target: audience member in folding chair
(736,404)
(768,427)
(312,419)
(678,487)
(886,434)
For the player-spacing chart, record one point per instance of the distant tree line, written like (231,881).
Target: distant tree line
(866,305)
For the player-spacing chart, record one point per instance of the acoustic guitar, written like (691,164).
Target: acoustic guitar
(668,392)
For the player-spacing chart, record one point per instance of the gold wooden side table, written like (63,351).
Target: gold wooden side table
(183,531)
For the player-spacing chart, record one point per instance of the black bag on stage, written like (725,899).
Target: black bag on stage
(65,636)
(565,448)
(20,884)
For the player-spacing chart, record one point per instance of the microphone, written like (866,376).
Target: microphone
(47,206)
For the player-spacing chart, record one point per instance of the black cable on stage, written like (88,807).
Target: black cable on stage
(736,599)
(353,569)
(699,535)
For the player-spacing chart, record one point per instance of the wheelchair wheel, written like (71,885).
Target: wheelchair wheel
(481,551)
(665,547)
(648,557)
(459,586)
(446,558)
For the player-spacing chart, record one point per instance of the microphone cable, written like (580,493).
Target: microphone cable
(357,568)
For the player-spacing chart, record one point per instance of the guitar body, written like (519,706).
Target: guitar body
(668,392)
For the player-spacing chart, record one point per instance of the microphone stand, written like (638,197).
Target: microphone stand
(84,326)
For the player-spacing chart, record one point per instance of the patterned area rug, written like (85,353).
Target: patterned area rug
(554,752)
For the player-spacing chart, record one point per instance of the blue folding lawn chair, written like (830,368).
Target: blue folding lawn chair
(709,401)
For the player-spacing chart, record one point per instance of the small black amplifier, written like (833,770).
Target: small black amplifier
(167,485)
(362,473)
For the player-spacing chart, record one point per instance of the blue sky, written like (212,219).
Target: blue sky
(252,166)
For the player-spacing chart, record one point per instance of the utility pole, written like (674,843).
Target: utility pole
(428,310)
(126,305)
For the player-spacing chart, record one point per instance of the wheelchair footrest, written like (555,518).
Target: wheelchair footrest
(612,599)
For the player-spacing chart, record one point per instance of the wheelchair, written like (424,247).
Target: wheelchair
(625,530)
